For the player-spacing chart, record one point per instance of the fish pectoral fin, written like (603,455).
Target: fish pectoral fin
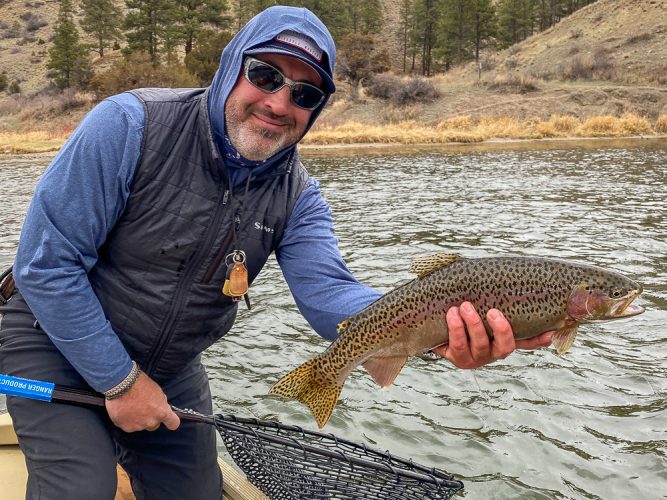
(385,370)
(423,266)
(564,338)
(303,385)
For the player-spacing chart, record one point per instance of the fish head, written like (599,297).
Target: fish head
(604,296)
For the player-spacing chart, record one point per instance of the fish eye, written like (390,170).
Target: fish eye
(616,293)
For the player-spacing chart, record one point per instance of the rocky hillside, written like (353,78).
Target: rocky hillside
(621,40)
(607,58)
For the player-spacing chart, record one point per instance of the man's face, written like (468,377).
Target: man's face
(260,124)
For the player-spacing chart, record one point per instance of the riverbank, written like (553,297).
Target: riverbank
(372,149)
(454,131)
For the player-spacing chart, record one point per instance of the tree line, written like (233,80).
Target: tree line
(432,35)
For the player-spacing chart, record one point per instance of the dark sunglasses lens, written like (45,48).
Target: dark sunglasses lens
(264,77)
(306,96)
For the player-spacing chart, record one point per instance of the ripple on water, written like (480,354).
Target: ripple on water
(590,424)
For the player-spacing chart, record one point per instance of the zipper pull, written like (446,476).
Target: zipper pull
(225,197)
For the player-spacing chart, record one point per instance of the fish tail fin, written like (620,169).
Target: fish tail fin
(303,385)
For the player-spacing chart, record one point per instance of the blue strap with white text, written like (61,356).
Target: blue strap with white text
(26,388)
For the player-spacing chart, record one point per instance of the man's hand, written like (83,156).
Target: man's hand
(143,407)
(469,345)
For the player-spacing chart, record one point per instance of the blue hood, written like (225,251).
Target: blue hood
(262,28)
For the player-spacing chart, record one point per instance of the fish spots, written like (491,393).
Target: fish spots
(533,293)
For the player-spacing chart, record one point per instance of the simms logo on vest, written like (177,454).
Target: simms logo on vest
(261,227)
(300,42)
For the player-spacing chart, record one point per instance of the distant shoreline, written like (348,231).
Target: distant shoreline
(347,149)
(547,142)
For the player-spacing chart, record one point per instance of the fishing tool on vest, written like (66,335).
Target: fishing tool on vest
(288,462)
(236,280)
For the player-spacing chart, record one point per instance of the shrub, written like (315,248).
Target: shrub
(589,66)
(514,83)
(383,85)
(602,126)
(402,91)
(138,71)
(659,75)
(456,123)
(641,37)
(14,88)
(558,126)
(564,124)
(635,125)
(661,124)
(415,90)
(34,23)
(3,82)
(13,32)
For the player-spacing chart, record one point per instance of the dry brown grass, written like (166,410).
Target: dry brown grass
(661,124)
(463,129)
(602,126)
(467,129)
(513,83)
(456,123)
(406,132)
(40,141)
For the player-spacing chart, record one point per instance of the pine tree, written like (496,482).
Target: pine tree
(424,35)
(516,20)
(199,15)
(102,19)
(204,59)
(454,41)
(335,15)
(153,27)
(405,16)
(365,17)
(483,18)
(68,57)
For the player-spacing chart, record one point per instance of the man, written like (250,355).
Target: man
(159,199)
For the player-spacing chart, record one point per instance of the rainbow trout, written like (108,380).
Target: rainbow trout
(535,294)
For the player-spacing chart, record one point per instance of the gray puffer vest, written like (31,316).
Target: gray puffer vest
(162,267)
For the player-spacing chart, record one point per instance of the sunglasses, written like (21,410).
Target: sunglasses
(269,79)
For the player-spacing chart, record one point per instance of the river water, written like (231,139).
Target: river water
(591,424)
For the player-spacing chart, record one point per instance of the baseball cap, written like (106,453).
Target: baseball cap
(302,47)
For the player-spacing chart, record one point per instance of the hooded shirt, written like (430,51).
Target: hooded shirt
(84,191)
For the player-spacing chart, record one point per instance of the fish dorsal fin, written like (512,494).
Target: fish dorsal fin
(564,338)
(341,328)
(385,370)
(423,266)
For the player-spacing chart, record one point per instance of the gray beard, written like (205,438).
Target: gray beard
(243,137)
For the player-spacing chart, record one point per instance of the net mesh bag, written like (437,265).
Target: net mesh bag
(288,462)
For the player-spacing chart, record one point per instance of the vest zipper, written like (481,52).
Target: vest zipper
(220,257)
(184,285)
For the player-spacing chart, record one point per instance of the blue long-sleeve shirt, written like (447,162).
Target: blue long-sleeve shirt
(76,204)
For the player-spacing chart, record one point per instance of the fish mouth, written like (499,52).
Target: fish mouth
(624,308)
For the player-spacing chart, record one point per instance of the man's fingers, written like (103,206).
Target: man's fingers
(479,339)
(503,337)
(458,339)
(171,421)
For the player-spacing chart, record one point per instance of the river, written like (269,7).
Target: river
(591,424)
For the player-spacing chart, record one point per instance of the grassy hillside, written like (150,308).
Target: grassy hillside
(607,60)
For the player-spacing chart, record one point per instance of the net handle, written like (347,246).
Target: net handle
(68,395)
